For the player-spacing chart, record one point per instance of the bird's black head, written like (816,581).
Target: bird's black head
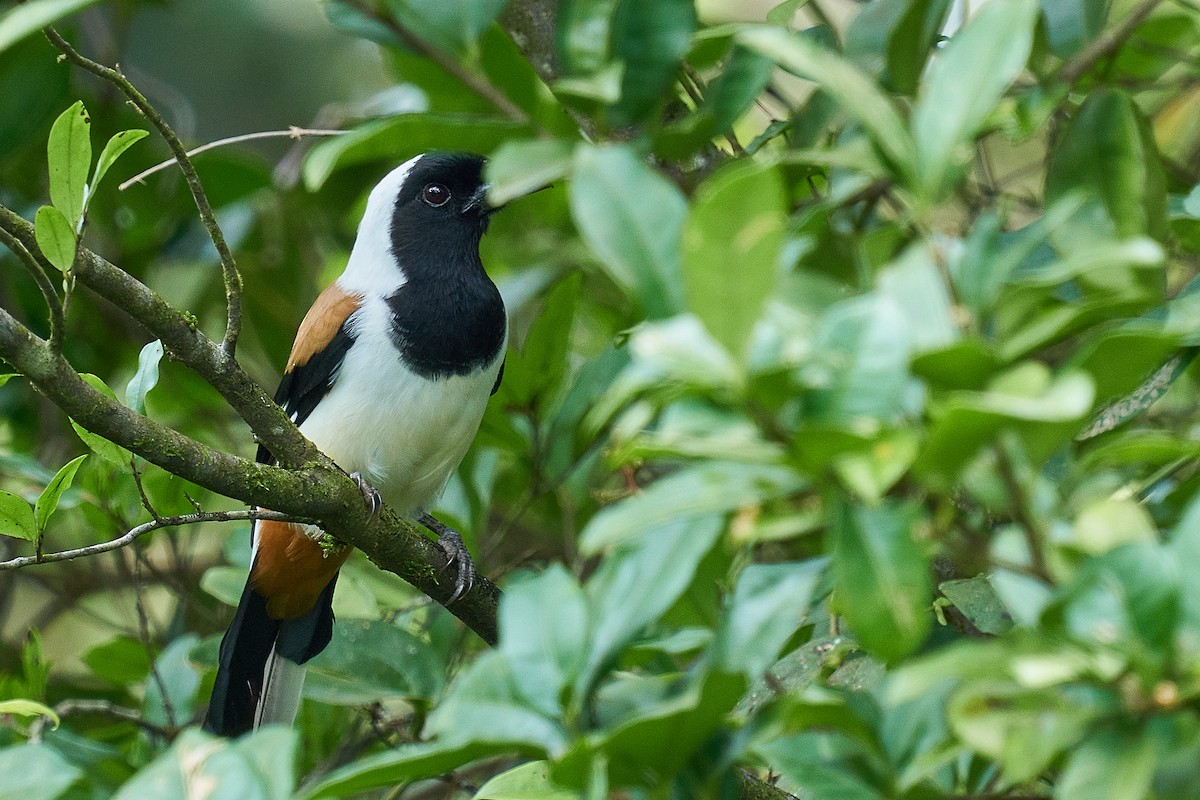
(443,194)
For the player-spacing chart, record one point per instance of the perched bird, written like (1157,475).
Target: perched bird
(389,376)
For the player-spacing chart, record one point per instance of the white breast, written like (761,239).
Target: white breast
(404,433)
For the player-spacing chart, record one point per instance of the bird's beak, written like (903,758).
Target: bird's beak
(478,202)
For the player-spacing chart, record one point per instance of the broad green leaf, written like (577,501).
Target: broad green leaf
(1107,151)
(530,781)
(544,632)
(1071,24)
(881,577)
(893,39)
(807,760)
(632,218)
(782,14)
(35,771)
(1023,729)
(1111,765)
(224,583)
(25,19)
(979,603)
(692,492)
(28,708)
(583,34)
(521,167)
(122,661)
(859,364)
(47,502)
(6,377)
(635,585)
(402,765)
(16,517)
(112,453)
(55,237)
(118,144)
(179,678)
(731,247)
(368,661)
(854,91)
(70,155)
(258,765)
(918,288)
(146,377)
(452,27)
(483,705)
(770,602)
(395,139)
(532,376)
(650,39)
(967,79)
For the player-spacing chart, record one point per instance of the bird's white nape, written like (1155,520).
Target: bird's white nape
(372,269)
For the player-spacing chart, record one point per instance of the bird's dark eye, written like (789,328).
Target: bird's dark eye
(435,195)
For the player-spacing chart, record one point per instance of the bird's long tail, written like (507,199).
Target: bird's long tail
(282,621)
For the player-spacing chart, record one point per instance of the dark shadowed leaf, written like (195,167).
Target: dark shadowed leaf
(650,39)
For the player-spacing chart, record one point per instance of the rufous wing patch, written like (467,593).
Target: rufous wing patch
(321,324)
(290,569)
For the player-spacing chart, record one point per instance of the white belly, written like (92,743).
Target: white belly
(404,433)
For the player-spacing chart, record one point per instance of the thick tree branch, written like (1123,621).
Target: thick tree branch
(317,490)
(233,280)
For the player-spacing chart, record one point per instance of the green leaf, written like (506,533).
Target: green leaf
(16,517)
(452,27)
(171,697)
(770,603)
(518,168)
(631,217)
(368,661)
(35,771)
(526,782)
(28,708)
(968,77)
(112,453)
(854,91)
(70,154)
(6,377)
(55,237)
(258,765)
(731,245)
(532,376)
(583,34)
(918,288)
(47,502)
(1111,765)
(28,18)
(1107,151)
(544,631)
(1071,24)
(650,39)
(694,491)
(636,585)
(881,577)
(979,603)
(146,377)
(118,144)
(403,765)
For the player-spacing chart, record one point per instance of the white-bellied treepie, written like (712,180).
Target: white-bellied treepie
(389,376)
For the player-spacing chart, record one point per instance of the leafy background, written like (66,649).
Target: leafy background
(806,465)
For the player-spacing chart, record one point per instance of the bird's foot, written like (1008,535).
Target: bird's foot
(370,494)
(457,555)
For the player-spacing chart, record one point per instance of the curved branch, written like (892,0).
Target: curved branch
(42,279)
(132,534)
(233,280)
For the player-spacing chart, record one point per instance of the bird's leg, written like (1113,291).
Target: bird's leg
(370,494)
(452,545)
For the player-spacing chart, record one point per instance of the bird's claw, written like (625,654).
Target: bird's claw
(457,555)
(370,494)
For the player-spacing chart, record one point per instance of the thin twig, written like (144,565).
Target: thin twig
(1105,44)
(141,530)
(42,279)
(293,132)
(472,80)
(233,280)
(1035,534)
(104,708)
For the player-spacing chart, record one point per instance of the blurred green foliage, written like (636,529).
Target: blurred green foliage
(825,448)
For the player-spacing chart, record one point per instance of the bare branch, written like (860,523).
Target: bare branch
(293,132)
(1105,44)
(104,708)
(42,278)
(233,280)
(141,530)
